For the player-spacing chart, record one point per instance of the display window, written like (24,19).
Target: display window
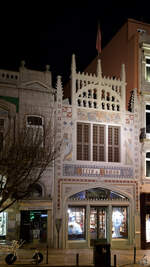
(119,222)
(76,223)
(3,223)
(147,218)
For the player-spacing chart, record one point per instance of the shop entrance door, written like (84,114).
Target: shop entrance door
(34,226)
(97,224)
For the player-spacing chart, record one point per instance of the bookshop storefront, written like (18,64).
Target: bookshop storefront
(98,214)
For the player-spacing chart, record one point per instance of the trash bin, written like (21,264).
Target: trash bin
(102,254)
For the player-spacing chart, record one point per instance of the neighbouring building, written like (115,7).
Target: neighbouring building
(25,99)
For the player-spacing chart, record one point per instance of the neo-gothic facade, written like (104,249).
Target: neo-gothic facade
(96,183)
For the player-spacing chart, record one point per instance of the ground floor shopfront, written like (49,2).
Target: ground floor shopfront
(99,214)
(30,220)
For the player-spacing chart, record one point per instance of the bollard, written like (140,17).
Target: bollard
(77,259)
(134,255)
(47,254)
(115,260)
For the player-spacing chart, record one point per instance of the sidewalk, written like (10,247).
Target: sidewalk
(68,257)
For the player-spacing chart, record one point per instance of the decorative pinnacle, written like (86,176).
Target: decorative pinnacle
(99,69)
(73,65)
(23,63)
(47,67)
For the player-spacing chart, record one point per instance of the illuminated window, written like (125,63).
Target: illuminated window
(76,223)
(147,227)
(119,222)
(3,224)
(147,69)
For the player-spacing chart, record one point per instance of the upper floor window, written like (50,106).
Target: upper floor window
(148,164)
(83,141)
(35,126)
(147,71)
(98,142)
(148,120)
(113,144)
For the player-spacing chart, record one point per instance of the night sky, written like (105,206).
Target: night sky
(49,32)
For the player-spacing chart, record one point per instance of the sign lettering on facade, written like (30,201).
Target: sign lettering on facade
(91,171)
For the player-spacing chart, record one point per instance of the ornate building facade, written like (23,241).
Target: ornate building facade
(96,182)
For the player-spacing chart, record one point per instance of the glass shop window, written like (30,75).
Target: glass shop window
(76,223)
(119,222)
(147,71)
(147,218)
(148,164)
(3,224)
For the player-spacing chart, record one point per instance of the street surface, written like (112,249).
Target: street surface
(68,257)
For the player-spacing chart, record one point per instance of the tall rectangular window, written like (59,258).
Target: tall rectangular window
(119,222)
(35,127)
(147,76)
(113,144)
(83,141)
(147,119)
(148,164)
(76,223)
(98,142)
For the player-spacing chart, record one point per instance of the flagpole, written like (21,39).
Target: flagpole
(98,40)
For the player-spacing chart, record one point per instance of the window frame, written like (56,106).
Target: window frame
(147,111)
(83,236)
(115,207)
(147,65)
(34,126)
(114,146)
(146,160)
(82,144)
(99,145)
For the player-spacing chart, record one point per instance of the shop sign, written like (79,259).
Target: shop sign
(95,171)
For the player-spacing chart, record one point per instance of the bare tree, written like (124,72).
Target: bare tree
(24,160)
